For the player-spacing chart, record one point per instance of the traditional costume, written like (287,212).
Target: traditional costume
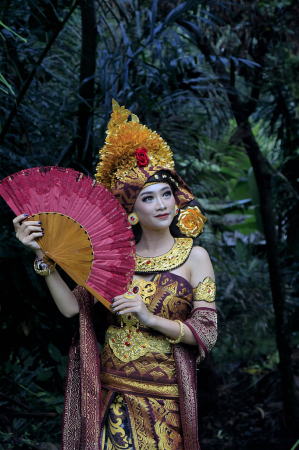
(140,391)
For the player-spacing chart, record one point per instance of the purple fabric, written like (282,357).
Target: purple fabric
(81,421)
(203,324)
(81,429)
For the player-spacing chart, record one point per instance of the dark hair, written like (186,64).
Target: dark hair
(165,177)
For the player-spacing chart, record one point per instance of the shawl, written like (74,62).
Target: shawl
(82,407)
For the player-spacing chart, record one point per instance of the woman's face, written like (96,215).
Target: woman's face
(155,206)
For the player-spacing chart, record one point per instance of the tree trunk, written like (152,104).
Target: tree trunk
(283,331)
(263,178)
(86,91)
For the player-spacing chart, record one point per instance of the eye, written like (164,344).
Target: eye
(167,194)
(148,198)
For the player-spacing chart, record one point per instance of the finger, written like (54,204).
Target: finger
(28,230)
(121,297)
(122,305)
(127,310)
(25,227)
(119,301)
(32,222)
(16,221)
(134,300)
(118,297)
(28,239)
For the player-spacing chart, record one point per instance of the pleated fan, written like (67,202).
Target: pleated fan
(86,231)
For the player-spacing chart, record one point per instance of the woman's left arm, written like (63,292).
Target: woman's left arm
(200,267)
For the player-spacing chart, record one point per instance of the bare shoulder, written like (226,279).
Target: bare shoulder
(199,254)
(200,266)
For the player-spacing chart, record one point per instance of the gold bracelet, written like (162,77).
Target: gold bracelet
(182,333)
(41,268)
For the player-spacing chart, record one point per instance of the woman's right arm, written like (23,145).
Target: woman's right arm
(27,232)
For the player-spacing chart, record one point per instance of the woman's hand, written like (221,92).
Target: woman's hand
(27,232)
(136,306)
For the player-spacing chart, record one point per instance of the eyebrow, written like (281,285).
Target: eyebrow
(151,192)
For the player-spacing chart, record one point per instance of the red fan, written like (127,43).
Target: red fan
(86,231)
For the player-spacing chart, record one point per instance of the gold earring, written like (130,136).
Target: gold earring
(176,210)
(133,218)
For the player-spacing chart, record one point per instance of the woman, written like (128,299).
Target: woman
(157,328)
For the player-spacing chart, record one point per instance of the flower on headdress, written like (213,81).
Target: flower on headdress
(141,156)
(191,221)
(118,155)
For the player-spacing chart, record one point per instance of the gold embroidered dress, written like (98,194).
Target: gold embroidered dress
(149,401)
(141,386)
(148,384)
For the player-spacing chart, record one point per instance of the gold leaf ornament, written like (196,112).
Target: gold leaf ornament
(124,137)
(191,221)
(206,290)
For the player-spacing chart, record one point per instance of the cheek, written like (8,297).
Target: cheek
(171,202)
(143,207)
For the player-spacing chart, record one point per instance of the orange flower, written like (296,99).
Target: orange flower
(191,221)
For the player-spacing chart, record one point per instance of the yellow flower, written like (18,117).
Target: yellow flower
(191,221)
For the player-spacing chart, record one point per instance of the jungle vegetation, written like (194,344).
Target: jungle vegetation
(219,81)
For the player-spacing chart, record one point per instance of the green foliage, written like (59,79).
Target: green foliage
(24,394)
(148,58)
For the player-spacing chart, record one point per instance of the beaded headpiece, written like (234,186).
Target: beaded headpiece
(132,154)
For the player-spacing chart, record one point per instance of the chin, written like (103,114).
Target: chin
(156,224)
(162,223)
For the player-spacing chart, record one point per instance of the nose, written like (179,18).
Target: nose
(160,204)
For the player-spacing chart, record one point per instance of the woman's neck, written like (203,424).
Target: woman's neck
(154,243)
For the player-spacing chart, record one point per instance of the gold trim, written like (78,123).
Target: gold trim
(129,343)
(145,289)
(174,258)
(205,290)
(139,387)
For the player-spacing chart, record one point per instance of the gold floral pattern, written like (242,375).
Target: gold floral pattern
(128,344)
(116,432)
(143,288)
(191,221)
(151,417)
(118,156)
(205,290)
(174,258)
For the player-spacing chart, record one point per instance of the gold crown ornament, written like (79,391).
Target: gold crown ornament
(129,145)
(191,221)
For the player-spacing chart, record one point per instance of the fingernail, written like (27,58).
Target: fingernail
(25,215)
(39,223)
(119,312)
(113,300)
(42,229)
(43,233)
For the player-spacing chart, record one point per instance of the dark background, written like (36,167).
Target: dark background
(219,82)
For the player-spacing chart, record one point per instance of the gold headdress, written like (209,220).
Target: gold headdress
(124,139)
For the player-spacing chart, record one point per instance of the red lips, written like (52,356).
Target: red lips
(162,216)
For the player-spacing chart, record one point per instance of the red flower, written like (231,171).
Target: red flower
(142,158)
